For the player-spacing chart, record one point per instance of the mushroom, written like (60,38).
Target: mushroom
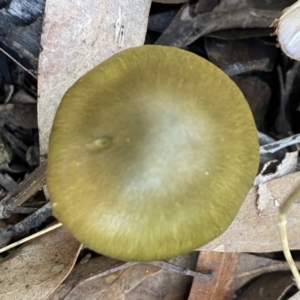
(151,154)
(287,30)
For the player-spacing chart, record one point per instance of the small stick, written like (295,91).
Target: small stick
(179,270)
(278,145)
(14,60)
(27,188)
(28,238)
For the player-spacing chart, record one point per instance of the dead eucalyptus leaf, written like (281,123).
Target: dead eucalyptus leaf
(36,269)
(269,286)
(232,271)
(254,232)
(223,266)
(166,285)
(250,266)
(128,280)
(189,26)
(76,37)
(84,272)
(114,286)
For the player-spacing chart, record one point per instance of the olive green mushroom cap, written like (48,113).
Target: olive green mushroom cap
(151,154)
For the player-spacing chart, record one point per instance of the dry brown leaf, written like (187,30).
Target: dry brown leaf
(37,268)
(250,266)
(163,285)
(166,285)
(221,287)
(254,232)
(113,286)
(268,287)
(187,26)
(76,37)
(128,280)
(232,271)
(84,271)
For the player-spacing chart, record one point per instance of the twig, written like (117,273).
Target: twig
(179,270)
(27,188)
(32,221)
(33,236)
(278,145)
(27,70)
(245,67)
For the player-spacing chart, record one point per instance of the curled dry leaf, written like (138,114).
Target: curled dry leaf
(36,269)
(287,166)
(226,14)
(269,286)
(249,266)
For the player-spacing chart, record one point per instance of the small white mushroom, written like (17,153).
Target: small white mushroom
(288,31)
